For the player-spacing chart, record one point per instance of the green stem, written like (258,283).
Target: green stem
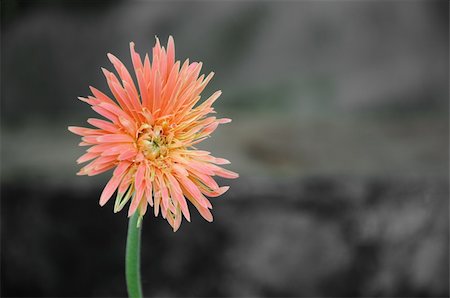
(132,258)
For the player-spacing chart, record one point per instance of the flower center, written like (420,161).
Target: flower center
(153,142)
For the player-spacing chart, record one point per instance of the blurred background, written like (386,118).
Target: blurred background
(340,134)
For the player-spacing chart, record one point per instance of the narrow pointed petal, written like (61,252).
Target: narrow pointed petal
(143,207)
(83,131)
(86,157)
(121,168)
(148,192)
(128,155)
(176,192)
(136,200)
(170,52)
(102,124)
(204,211)
(215,193)
(193,190)
(139,178)
(109,189)
(177,221)
(222,161)
(226,173)
(115,138)
(120,68)
(116,149)
(126,181)
(105,113)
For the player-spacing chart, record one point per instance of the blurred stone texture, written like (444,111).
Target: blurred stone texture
(318,236)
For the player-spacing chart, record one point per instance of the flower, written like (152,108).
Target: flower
(150,136)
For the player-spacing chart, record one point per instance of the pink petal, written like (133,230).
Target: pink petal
(115,149)
(113,108)
(86,157)
(102,124)
(205,179)
(156,92)
(142,207)
(102,97)
(207,103)
(135,201)
(148,192)
(139,177)
(170,52)
(109,189)
(180,169)
(226,173)
(83,131)
(100,147)
(122,71)
(193,190)
(200,167)
(90,139)
(128,155)
(121,168)
(126,181)
(209,129)
(100,169)
(222,161)
(204,212)
(176,192)
(177,221)
(115,138)
(132,95)
(224,120)
(105,113)
(218,192)
(117,91)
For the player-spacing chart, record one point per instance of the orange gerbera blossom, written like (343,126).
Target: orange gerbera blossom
(150,135)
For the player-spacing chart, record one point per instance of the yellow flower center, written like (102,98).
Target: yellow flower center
(153,142)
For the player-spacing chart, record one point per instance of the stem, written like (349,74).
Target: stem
(132,258)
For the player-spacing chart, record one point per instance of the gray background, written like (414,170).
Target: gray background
(340,135)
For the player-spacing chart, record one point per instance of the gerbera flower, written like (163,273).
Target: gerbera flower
(149,137)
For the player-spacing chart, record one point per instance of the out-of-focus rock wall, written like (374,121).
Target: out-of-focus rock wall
(319,237)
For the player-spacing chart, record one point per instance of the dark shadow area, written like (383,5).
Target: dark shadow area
(317,237)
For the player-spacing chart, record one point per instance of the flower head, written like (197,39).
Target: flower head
(149,137)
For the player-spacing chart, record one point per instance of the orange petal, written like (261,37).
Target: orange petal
(121,168)
(83,131)
(86,157)
(193,190)
(139,177)
(225,173)
(128,155)
(176,192)
(105,113)
(170,52)
(135,201)
(109,189)
(204,212)
(102,124)
(115,138)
